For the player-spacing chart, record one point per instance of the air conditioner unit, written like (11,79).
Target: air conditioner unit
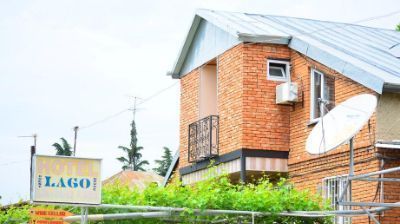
(286,93)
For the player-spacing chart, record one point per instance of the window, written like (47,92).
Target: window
(278,70)
(332,188)
(322,87)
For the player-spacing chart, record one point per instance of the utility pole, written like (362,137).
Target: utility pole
(84,210)
(33,152)
(75,137)
(34,140)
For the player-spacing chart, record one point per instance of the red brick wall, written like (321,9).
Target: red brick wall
(307,171)
(189,111)
(249,118)
(230,103)
(391,189)
(265,124)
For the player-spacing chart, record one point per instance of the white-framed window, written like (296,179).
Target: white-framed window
(278,70)
(322,87)
(332,188)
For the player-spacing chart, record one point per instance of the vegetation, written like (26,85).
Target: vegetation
(63,149)
(15,214)
(164,163)
(133,160)
(398,27)
(217,193)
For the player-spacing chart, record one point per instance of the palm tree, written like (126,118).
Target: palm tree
(164,162)
(63,149)
(133,160)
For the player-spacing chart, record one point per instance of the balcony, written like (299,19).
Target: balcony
(203,139)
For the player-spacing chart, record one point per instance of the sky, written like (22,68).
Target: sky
(75,63)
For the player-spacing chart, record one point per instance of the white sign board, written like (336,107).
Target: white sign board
(64,179)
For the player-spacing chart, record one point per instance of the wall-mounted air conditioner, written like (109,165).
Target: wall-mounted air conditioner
(286,93)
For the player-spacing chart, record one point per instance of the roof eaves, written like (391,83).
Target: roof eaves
(391,87)
(253,38)
(200,14)
(185,48)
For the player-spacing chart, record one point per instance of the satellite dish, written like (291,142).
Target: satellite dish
(341,123)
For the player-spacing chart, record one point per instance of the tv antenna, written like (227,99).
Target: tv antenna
(135,104)
(34,136)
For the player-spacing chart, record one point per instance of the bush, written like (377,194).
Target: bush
(216,193)
(15,214)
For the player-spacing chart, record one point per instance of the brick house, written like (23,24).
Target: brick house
(229,69)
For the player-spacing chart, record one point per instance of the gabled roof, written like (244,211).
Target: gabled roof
(364,54)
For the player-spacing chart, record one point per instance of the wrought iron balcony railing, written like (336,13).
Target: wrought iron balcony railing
(203,139)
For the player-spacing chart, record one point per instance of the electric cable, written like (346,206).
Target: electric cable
(109,117)
(13,162)
(337,26)
(342,25)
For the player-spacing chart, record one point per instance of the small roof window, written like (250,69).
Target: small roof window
(278,70)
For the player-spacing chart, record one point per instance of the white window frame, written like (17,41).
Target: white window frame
(312,100)
(329,180)
(286,74)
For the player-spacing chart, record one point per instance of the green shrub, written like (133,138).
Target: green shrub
(216,193)
(15,214)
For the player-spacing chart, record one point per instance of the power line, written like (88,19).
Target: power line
(157,93)
(107,118)
(338,26)
(13,162)
(378,17)
(342,25)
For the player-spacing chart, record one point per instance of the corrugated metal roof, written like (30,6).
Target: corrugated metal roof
(362,53)
(134,179)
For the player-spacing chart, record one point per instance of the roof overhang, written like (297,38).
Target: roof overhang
(253,38)
(241,37)
(365,72)
(185,48)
